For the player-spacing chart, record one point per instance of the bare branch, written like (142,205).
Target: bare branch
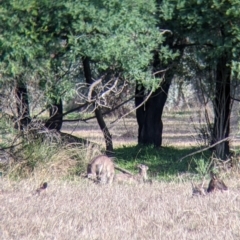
(91,88)
(104,113)
(235,99)
(148,96)
(165,31)
(103,92)
(161,71)
(204,149)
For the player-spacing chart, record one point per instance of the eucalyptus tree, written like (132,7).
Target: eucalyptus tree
(30,38)
(105,45)
(115,40)
(214,27)
(165,60)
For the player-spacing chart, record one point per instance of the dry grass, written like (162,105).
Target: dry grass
(82,210)
(79,209)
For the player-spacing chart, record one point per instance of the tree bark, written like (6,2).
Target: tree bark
(98,112)
(149,115)
(222,107)
(22,104)
(56,116)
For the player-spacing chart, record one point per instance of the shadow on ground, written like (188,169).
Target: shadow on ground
(163,161)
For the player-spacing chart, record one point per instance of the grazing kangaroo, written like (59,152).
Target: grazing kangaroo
(41,188)
(101,169)
(141,177)
(216,184)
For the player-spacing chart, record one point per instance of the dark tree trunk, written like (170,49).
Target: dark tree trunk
(56,116)
(140,112)
(22,104)
(98,112)
(149,115)
(222,108)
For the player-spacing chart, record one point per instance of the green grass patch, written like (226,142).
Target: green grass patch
(164,163)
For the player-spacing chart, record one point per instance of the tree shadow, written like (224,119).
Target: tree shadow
(161,161)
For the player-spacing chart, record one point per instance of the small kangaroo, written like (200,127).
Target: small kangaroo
(101,169)
(141,177)
(198,190)
(41,188)
(216,184)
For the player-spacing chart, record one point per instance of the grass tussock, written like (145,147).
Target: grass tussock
(49,161)
(83,210)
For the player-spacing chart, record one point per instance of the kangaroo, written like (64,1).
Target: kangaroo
(198,190)
(141,177)
(216,184)
(101,169)
(41,188)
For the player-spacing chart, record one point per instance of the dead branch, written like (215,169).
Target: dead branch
(161,71)
(165,31)
(235,99)
(148,96)
(101,91)
(204,149)
(104,113)
(91,89)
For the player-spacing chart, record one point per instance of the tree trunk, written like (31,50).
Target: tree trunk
(149,115)
(22,104)
(56,116)
(98,112)
(222,108)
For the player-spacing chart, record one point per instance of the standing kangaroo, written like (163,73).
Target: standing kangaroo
(101,169)
(216,184)
(141,177)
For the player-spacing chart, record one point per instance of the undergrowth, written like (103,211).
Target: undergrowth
(70,160)
(48,160)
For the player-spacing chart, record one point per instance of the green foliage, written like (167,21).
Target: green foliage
(31,47)
(202,166)
(118,35)
(208,23)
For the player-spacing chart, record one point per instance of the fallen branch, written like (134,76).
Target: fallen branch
(204,149)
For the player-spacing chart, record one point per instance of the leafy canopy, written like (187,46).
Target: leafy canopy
(213,25)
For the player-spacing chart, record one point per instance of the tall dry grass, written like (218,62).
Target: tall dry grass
(82,210)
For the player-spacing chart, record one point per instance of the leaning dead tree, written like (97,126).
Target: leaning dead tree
(98,95)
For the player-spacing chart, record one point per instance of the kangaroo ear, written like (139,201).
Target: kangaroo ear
(213,175)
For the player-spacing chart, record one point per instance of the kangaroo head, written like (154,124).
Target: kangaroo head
(216,183)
